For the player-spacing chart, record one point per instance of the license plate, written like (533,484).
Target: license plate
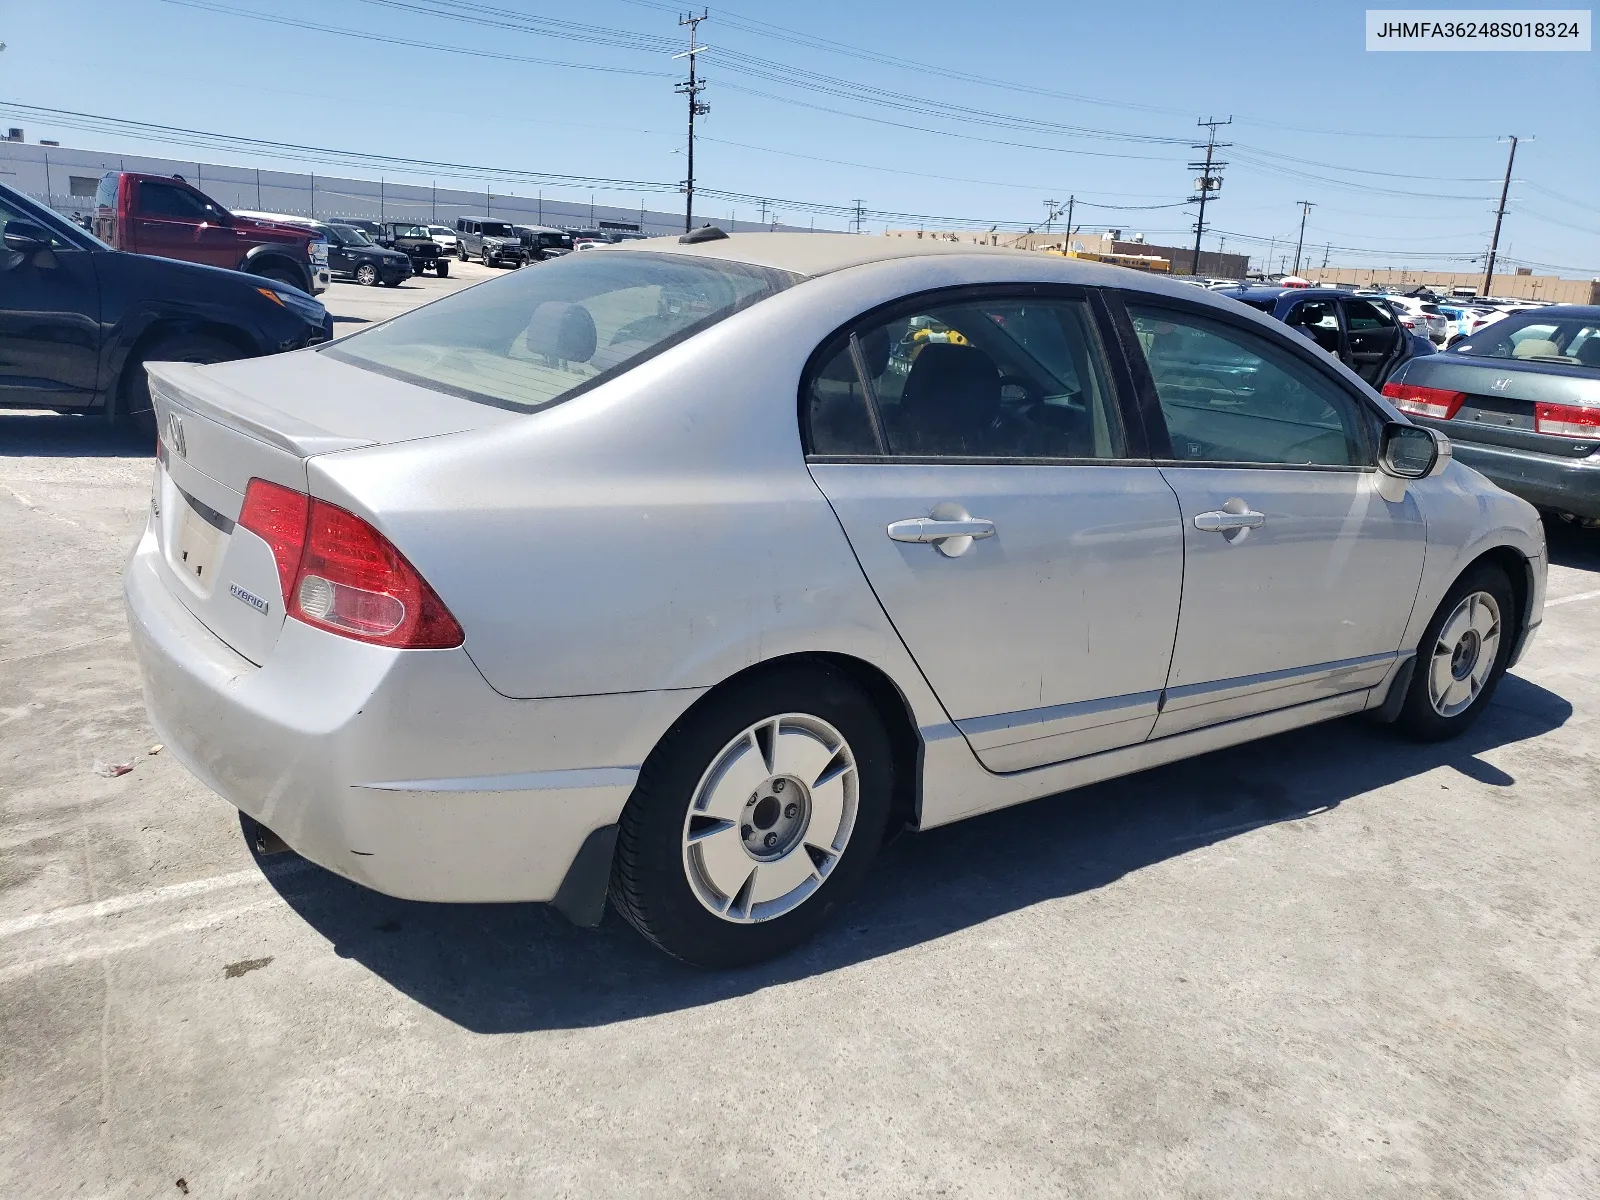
(198,544)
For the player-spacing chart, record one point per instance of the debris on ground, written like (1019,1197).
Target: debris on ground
(111,770)
(156,749)
(234,970)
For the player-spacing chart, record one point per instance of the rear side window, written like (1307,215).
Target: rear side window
(532,338)
(993,377)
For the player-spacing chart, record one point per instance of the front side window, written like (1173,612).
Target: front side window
(168,200)
(1007,377)
(532,338)
(1230,396)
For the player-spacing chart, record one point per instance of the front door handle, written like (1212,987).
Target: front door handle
(1234,520)
(1222,522)
(951,530)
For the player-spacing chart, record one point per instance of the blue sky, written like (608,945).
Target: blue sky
(979,113)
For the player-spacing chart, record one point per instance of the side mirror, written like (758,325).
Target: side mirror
(24,237)
(1409,452)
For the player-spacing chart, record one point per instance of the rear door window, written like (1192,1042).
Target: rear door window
(1001,377)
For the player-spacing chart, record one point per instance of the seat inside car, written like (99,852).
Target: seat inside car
(951,398)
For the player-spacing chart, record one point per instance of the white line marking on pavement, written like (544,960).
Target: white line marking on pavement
(97,949)
(1571,599)
(161,895)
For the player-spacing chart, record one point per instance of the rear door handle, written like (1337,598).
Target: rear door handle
(929,529)
(1226,521)
(951,530)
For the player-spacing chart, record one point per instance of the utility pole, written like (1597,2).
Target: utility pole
(692,87)
(1305,208)
(1499,215)
(858,216)
(1071,200)
(764,207)
(1208,182)
(1050,213)
(1327,252)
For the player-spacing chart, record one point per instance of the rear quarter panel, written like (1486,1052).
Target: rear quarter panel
(661,531)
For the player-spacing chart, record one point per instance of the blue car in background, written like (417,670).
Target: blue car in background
(1360,332)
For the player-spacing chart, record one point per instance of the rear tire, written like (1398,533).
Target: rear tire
(685,874)
(1462,656)
(133,406)
(441,268)
(367,275)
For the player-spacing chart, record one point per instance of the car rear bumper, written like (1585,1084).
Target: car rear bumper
(401,770)
(1548,480)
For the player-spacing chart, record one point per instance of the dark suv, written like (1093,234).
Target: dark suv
(543,242)
(354,255)
(491,242)
(416,242)
(79,319)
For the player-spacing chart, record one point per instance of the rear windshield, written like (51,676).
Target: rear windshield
(540,335)
(1538,337)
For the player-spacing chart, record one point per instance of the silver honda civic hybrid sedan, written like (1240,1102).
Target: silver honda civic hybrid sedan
(682,573)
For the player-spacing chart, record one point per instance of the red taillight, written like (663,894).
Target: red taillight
(277,515)
(340,574)
(1437,403)
(1567,420)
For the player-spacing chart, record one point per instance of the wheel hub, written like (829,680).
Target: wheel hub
(1465,656)
(775,817)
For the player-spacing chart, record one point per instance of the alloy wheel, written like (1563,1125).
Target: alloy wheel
(1464,654)
(770,818)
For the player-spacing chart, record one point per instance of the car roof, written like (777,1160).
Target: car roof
(1275,293)
(823,253)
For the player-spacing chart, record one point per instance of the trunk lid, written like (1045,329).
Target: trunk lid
(1501,395)
(222,426)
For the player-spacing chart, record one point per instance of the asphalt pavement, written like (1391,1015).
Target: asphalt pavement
(1328,964)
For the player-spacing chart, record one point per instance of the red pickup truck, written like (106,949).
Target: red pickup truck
(164,216)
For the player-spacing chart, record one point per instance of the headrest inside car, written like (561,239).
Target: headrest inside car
(562,330)
(1536,348)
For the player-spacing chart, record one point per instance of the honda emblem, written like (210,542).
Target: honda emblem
(1501,385)
(175,435)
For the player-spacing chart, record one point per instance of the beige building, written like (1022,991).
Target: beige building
(1520,283)
(1107,243)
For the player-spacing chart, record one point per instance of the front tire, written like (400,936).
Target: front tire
(441,268)
(283,276)
(754,818)
(1462,656)
(367,275)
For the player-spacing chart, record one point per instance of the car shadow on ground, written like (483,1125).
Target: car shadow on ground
(1572,545)
(60,435)
(510,968)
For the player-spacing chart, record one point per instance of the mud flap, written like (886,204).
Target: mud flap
(581,898)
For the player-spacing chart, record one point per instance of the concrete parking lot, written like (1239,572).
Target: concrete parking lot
(1330,964)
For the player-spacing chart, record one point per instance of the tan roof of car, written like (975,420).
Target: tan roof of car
(813,253)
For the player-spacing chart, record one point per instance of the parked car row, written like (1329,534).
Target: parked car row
(80,319)
(1361,332)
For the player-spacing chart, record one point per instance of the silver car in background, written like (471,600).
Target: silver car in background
(682,572)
